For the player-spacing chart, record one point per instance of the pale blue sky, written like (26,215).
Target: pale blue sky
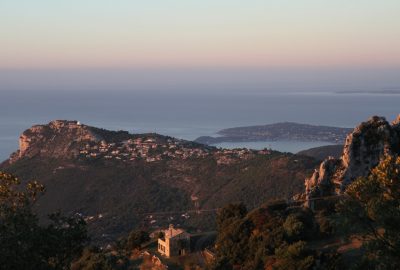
(207,33)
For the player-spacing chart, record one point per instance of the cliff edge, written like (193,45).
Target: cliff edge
(58,139)
(363,150)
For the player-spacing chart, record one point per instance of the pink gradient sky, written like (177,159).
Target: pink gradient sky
(171,33)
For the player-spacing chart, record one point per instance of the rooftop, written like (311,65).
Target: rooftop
(172,232)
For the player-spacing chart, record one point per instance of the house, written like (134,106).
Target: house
(175,242)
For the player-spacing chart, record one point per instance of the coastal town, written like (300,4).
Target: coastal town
(157,148)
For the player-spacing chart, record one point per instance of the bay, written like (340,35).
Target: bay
(188,115)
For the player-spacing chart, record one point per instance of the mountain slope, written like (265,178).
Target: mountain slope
(323,152)
(115,179)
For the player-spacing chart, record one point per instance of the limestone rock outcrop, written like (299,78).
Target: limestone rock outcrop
(363,150)
(58,139)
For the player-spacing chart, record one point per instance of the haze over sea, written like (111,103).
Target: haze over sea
(189,104)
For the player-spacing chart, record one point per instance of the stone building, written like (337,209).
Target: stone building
(175,242)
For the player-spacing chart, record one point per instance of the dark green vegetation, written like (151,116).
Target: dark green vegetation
(136,239)
(323,152)
(117,256)
(27,244)
(273,236)
(286,131)
(115,196)
(359,230)
(373,208)
(59,243)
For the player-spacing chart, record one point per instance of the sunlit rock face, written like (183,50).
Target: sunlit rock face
(58,139)
(363,150)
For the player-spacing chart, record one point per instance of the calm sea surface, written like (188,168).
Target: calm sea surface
(188,116)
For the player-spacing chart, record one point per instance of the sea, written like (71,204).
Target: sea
(188,115)
(188,103)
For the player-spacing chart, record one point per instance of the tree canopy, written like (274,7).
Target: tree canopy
(25,243)
(372,211)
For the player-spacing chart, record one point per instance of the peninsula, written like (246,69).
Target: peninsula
(285,131)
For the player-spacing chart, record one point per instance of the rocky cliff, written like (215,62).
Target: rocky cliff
(364,148)
(58,139)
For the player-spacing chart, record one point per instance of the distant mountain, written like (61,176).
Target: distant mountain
(119,181)
(286,131)
(323,152)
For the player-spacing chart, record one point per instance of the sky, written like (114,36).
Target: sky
(173,34)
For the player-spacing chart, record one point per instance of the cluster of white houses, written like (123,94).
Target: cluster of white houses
(147,149)
(151,149)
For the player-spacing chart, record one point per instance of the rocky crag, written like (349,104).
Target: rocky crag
(60,139)
(363,150)
(57,139)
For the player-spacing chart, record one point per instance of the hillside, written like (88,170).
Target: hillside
(116,179)
(350,219)
(286,131)
(323,152)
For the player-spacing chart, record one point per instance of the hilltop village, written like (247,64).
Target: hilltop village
(152,149)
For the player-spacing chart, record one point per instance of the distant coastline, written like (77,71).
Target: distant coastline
(186,116)
(376,92)
(284,131)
